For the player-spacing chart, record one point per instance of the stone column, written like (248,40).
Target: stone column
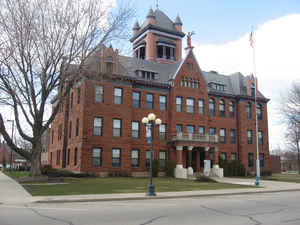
(190,170)
(207,161)
(180,172)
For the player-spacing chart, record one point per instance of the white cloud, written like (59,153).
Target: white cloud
(277,62)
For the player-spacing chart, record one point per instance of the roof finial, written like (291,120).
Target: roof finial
(156,4)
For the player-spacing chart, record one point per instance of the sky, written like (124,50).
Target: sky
(221,43)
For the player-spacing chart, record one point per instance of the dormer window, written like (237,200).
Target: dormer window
(252,90)
(216,86)
(147,75)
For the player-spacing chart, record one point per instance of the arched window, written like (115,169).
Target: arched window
(231,109)
(211,107)
(259,111)
(222,108)
(248,111)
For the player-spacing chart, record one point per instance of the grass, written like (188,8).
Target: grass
(294,178)
(79,186)
(16,174)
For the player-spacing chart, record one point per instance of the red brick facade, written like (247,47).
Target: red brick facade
(86,109)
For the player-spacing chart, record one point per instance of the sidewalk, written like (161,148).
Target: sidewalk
(12,192)
(265,187)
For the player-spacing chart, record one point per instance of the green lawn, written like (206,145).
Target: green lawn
(78,186)
(295,178)
(16,174)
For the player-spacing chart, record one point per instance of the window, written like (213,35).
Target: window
(178,104)
(70,130)
(218,87)
(190,66)
(99,93)
(52,137)
(71,101)
(222,135)
(249,135)
(201,130)
(135,158)
(262,160)
(57,157)
(59,136)
(190,129)
(248,111)
(178,128)
(232,136)
(190,105)
(97,131)
(250,159)
(233,156)
(78,95)
(222,108)
(260,138)
(75,157)
(136,97)
(231,109)
(135,129)
(149,101)
(162,159)
(253,90)
(68,157)
(116,157)
(162,131)
(118,96)
(148,158)
(212,131)
(77,127)
(160,51)
(223,156)
(117,125)
(259,112)
(201,106)
(211,107)
(109,67)
(163,102)
(97,157)
(51,157)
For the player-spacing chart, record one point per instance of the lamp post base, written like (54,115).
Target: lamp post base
(151,190)
(257,181)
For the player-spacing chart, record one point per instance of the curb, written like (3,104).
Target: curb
(160,197)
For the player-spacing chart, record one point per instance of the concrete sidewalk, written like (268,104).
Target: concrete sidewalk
(265,187)
(11,192)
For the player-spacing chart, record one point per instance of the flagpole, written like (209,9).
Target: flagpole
(255,103)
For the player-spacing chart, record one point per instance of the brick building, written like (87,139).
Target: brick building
(205,115)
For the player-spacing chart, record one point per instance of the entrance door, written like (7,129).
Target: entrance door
(202,157)
(194,160)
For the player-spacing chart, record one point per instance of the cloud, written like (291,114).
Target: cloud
(277,51)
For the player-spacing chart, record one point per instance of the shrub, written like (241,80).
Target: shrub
(119,174)
(155,168)
(51,172)
(170,168)
(234,168)
(265,173)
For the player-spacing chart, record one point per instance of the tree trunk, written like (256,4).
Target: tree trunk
(35,169)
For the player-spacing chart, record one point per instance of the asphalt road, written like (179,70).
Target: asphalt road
(272,208)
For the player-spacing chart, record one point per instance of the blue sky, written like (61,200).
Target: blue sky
(219,21)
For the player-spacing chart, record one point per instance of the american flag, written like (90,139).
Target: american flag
(251,39)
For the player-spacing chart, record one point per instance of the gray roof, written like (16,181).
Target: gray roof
(178,20)
(129,65)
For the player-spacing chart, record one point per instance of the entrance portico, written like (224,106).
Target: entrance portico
(193,156)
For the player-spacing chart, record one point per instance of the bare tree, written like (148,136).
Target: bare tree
(38,39)
(291,113)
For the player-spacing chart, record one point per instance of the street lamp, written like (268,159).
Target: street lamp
(12,139)
(149,122)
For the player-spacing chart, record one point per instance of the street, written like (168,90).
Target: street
(271,208)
